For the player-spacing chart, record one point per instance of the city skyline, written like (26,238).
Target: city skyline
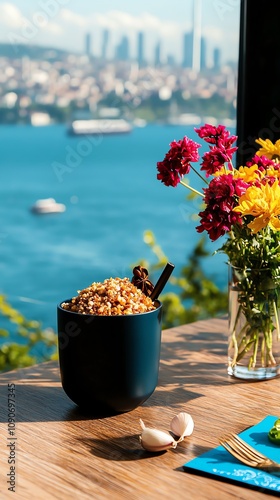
(194,51)
(52,23)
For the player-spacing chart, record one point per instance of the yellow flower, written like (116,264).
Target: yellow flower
(269,149)
(248,174)
(272,172)
(263,203)
(222,171)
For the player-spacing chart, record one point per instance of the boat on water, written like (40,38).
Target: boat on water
(47,206)
(99,126)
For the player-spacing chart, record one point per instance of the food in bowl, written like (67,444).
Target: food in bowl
(113,297)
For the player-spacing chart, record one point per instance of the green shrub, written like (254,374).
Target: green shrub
(35,343)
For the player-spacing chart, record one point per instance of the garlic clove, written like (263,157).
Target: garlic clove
(155,440)
(182,425)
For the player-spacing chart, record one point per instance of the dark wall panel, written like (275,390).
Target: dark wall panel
(258,98)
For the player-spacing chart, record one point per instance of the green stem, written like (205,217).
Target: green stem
(191,188)
(276,320)
(255,352)
(199,175)
(263,345)
(242,334)
(235,347)
(233,338)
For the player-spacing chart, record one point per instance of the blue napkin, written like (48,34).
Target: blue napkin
(219,464)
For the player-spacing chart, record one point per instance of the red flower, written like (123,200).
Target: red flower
(177,160)
(220,198)
(268,180)
(186,149)
(168,172)
(226,145)
(213,161)
(221,152)
(260,161)
(218,136)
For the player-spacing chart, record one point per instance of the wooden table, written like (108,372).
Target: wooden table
(63,454)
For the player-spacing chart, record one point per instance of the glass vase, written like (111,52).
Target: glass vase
(254,332)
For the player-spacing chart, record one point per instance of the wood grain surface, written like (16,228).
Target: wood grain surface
(63,454)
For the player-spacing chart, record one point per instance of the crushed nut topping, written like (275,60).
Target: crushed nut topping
(141,281)
(115,296)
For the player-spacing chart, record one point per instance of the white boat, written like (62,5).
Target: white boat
(48,206)
(99,126)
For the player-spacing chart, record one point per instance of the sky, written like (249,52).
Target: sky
(64,23)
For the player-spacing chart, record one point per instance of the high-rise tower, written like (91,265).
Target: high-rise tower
(122,49)
(104,47)
(187,50)
(217,59)
(158,54)
(203,54)
(196,59)
(88,44)
(140,49)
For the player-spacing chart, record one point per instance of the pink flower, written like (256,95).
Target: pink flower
(222,150)
(169,172)
(226,144)
(218,136)
(213,161)
(260,161)
(177,160)
(186,149)
(270,179)
(220,198)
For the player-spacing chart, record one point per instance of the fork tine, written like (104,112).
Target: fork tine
(241,452)
(235,453)
(248,455)
(242,447)
(252,452)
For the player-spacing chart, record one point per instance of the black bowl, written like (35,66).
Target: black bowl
(109,363)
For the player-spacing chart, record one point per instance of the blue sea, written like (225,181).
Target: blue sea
(109,186)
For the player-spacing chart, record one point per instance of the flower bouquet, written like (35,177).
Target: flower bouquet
(244,204)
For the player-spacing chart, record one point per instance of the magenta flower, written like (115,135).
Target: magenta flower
(220,198)
(210,133)
(213,161)
(218,136)
(226,145)
(177,160)
(220,152)
(169,172)
(261,161)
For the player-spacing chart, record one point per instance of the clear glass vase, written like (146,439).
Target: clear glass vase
(254,331)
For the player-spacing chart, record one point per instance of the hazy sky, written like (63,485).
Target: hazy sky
(63,23)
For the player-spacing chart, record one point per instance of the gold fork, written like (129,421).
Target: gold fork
(248,455)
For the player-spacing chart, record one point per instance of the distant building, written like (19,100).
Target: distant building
(217,59)
(158,54)
(203,63)
(105,43)
(170,60)
(196,59)
(122,49)
(187,50)
(88,44)
(194,47)
(140,49)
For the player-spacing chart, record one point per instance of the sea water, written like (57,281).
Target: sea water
(109,187)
